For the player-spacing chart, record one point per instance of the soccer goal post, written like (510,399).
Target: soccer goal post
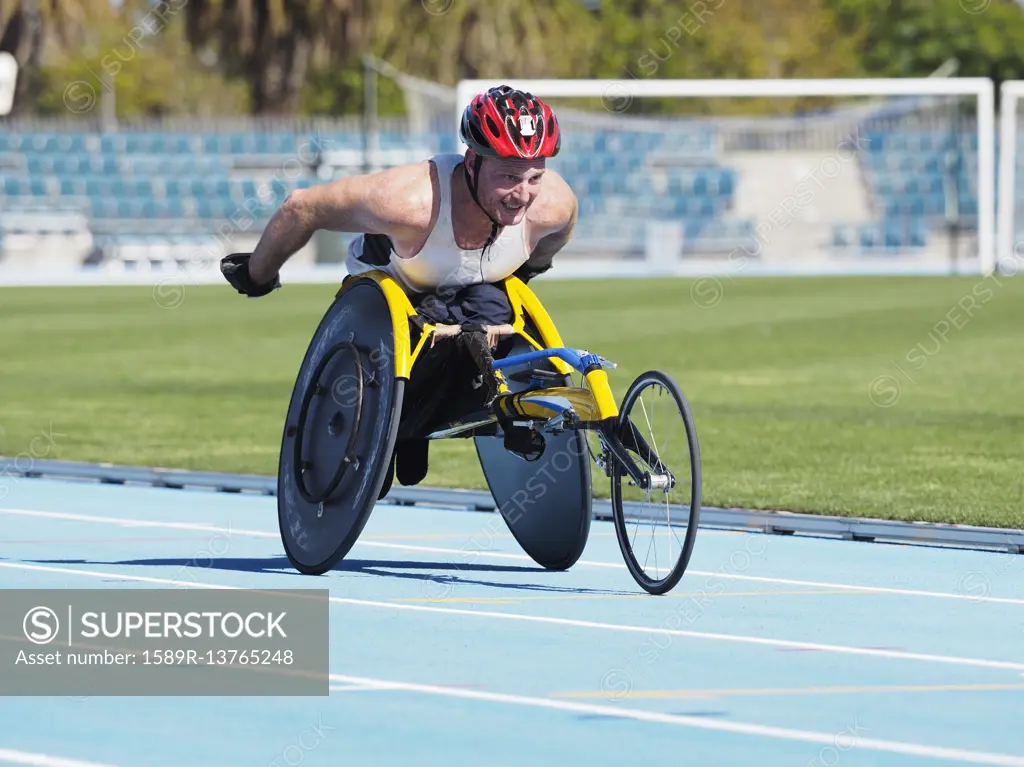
(905,170)
(1010,239)
(8,79)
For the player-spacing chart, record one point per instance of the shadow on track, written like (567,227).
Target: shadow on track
(386,568)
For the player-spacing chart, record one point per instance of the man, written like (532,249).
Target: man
(443,226)
(448,229)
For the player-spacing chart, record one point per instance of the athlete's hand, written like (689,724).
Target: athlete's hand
(444,331)
(495,332)
(235,269)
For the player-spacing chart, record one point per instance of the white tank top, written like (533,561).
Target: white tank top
(441,262)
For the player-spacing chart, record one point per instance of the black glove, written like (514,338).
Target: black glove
(235,269)
(527,272)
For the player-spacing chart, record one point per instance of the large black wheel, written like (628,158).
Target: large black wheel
(340,430)
(657,527)
(546,503)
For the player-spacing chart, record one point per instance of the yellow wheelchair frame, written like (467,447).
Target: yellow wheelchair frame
(348,434)
(550,408)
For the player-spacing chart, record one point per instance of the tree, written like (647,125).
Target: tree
(137,54)
(274,45)
(715,39)
(449,40)
(912,38)
(31,28)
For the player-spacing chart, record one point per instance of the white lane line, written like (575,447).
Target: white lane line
(358,687)
(9,756)
(843,740)
(723,576)
(123,522)
(649,630)
(227,531)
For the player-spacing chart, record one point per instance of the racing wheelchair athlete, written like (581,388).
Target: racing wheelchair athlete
(435,334)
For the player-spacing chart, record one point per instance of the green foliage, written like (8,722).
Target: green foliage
(726,39)
(912,38)
(341,91)
(274,46)
(447,40)
(305,56)
(141,58)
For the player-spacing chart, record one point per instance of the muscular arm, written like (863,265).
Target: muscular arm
(559,221)
(389,202)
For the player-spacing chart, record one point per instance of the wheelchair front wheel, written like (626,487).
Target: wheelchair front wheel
(668,513)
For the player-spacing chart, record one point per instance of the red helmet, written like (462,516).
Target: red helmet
(504,122)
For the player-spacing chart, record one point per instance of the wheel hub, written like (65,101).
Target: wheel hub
(659,482)
(336,424)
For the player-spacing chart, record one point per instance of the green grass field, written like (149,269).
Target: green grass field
(900,398)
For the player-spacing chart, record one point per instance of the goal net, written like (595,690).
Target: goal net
(772,176)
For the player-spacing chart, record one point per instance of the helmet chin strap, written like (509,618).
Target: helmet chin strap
(471,182)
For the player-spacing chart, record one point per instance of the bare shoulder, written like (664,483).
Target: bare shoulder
(396,201)
(402,197)
(555,208)
(552,220)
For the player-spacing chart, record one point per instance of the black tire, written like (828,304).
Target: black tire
(547,504)
(618,475)
(323,501)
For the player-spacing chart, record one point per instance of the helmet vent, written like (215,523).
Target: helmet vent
(478,135)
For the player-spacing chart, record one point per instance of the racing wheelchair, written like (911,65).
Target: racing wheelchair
(374,381)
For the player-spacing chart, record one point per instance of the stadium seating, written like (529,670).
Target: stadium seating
(137,186)
(157,189)
(914,179)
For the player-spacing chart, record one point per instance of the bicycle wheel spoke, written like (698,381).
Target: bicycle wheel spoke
(658,571)
(647,494)
(647,559)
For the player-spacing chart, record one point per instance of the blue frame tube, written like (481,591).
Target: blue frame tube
(564,353)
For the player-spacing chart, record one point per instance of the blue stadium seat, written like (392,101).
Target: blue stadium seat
(691,229)
(102,207)
(621,177)
(169,208)
(907,173)
(71,186)
(204,207)
(212,144)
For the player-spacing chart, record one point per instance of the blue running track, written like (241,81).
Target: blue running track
(450,647)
